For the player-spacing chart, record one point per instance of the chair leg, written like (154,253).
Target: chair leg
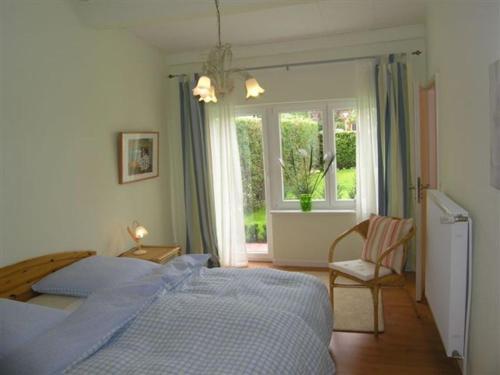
(332,281)
(375,292)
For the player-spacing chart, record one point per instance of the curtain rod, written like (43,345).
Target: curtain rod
(305,63)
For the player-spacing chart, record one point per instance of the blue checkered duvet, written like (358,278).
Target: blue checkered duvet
(225,321)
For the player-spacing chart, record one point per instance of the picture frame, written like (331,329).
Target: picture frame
(138,156)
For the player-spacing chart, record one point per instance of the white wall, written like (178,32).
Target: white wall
(298,238)
(462,41)
(66,92)
(315,82)
(303,239)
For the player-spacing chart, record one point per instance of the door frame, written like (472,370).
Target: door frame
(419,211)
(263,113)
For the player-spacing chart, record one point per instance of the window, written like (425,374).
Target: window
(314,129)
(345,151)
(301,131)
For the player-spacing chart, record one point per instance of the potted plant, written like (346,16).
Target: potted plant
(304,175)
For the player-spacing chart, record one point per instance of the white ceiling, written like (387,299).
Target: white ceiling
(185,25)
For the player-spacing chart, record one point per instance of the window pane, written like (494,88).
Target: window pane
(249,134)
(302,137)
(345,148)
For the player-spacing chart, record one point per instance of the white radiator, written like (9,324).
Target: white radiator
(448,271)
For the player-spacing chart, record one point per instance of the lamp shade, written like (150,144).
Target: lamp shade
(202,87)
(140,231)
(253,88)
(210,97)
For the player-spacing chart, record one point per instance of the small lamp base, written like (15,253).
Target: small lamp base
(140,252)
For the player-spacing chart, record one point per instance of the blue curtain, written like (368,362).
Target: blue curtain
(393,138)
(198,196)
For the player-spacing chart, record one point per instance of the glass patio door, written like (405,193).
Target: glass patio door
(250,133)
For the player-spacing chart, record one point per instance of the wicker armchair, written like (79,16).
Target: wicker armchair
(372,275)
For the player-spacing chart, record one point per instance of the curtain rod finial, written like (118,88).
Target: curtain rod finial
(176,75)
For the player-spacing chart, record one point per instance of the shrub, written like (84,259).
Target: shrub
(263,233)
(250,235)
(252,173)
(254,232)
(345,143)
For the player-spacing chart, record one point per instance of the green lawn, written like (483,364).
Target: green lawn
(346,183)
(257,217)
(255,226)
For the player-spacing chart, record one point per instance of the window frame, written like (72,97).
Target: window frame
(346,204)
(272,150)
(277,183)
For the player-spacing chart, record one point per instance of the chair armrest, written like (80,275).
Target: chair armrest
(341,237)
(403,241)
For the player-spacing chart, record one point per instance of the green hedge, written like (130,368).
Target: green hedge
(345,143)
(249,132)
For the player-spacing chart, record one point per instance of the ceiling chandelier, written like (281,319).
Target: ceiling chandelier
(217,78)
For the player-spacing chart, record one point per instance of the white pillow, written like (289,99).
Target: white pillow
(65,303)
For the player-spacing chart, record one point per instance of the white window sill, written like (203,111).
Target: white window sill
(313,212)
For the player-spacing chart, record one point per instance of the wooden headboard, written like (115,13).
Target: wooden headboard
(16,280)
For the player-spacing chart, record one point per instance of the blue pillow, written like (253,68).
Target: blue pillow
(191,260)
(180,268)
(20,322)
(87,275)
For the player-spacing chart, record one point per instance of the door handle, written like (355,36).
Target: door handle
(420,189)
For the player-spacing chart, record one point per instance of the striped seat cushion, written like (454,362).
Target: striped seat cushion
(382,233)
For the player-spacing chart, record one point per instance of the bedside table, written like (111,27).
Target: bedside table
(157,254)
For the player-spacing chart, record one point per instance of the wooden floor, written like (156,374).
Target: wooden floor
(409,345)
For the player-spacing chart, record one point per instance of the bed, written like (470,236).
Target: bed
(179,319)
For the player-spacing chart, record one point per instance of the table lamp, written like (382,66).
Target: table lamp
(137,232)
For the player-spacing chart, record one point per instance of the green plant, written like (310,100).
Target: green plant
(305,177)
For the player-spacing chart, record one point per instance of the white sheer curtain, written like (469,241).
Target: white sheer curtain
(366,144)
(227,186)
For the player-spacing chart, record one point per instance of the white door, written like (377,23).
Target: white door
(426,169)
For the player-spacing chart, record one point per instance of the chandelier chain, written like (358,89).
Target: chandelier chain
(218,20)
(217,78)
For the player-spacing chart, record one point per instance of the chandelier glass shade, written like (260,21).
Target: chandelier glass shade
(253,88)
(218,75)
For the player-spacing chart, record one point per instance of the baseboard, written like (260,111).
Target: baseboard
(256,257)
(299,263)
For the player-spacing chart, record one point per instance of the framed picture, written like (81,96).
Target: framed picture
(495,124)
(138,156)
